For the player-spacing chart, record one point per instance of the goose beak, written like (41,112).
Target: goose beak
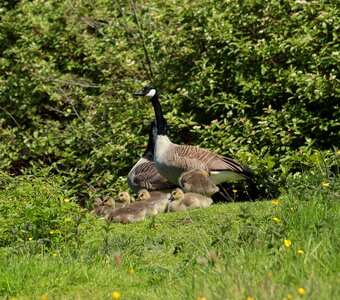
(139,93)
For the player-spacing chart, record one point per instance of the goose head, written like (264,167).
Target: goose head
(151,93)
(176,194)
(109,201)
(147,91)
(124,197)
(143,195)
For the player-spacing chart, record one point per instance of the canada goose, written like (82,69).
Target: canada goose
(125,198)
(131,212)
(197,181)
(190,200)
(176,203)
(171,160)
(144,174)
(105,208)
(158,200)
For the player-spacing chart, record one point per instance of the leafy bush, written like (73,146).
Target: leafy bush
(257,81)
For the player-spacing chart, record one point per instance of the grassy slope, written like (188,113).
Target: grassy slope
(169,257)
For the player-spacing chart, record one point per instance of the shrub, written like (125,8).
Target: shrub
(257,81)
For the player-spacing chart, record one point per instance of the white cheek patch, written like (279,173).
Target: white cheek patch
(151,93)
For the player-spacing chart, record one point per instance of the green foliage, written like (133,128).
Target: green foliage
(255,80)
(36,211)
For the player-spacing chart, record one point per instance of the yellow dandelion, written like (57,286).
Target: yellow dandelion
(289,296)
(54,254)
(325,184)
(275,202)
(276,219)
(67,219)
(116,295)
(52,232)
(44,297)
(300,251)
(287,243)
(131,271)
(30,238)
(234,191)
(301,291)
(201,298)
(66,200)
(250,298)
(13,298)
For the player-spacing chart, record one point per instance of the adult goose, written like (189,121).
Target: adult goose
(144,174)
(172,160)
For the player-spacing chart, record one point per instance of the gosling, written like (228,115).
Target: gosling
(184,201)
(105,208)
(130,212)
(158,200)
(197,181)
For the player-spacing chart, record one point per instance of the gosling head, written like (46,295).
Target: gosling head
(176,194)
(124,196)
(109,201)
(147,91)
(143,195)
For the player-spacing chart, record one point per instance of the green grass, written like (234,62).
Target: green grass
(227,251)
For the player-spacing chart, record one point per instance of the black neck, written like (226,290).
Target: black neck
(161,122)
(149,151)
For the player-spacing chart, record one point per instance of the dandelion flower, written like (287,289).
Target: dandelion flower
(66,200)
(250,298)
(234,191)
(67,219)
(276,219)
(300,251)
(325,184)
(131,271)
(52,232)
(289,296)
(201,298)
(275,202)
(30,238)
(301,291)
(116,295)
(54,254)
(44,297)
(287,243)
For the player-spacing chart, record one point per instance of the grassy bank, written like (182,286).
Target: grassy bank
(277,249)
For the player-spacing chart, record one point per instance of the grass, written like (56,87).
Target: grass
(227,251)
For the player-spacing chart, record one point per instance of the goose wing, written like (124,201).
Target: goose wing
(147,177)
(203,159)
